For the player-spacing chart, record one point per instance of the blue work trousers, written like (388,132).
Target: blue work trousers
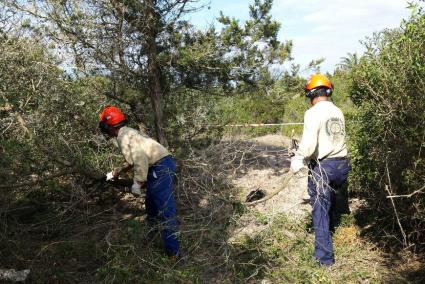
(325,180)
(160,202)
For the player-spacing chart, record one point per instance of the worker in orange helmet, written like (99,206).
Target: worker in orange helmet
(323,148)
(152,165)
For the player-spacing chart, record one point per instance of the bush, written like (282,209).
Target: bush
(275,102)
(388,137)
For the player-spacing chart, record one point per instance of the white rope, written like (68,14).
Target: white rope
(263,124)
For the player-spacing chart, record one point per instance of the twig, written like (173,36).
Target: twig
(421,190)
(286,179)
(388,189)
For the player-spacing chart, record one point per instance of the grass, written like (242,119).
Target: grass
(78,235)
(272,255)
(288,259)
(129,251)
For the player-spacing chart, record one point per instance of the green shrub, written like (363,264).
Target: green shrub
(389,128)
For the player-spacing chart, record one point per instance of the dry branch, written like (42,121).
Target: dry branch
(419,191)
(285,182)
(388,189)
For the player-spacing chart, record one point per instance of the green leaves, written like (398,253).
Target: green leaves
(388,84)
(250,48)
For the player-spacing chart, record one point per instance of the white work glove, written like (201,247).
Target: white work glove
(297,163)
(136,188)
(110,176)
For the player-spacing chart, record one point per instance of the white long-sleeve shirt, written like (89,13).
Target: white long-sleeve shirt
(324,132)
(140,151)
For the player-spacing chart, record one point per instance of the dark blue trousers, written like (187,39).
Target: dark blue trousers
(326,179)
(160,203)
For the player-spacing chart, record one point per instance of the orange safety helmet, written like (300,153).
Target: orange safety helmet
(317,82)
(111,117)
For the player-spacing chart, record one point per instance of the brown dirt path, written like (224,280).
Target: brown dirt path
(270,155)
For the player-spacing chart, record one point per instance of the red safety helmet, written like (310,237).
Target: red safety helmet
(111,117)
(317,82)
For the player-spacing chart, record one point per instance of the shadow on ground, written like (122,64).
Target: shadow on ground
(403,265)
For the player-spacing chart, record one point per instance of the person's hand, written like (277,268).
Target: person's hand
(294,148)
(136,188)
(110,176)
(297,163)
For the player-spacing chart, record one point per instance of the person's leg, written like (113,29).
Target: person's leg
(343,168)
(163,198)
(320,199)
(333,214)
(150,206)
(337,179)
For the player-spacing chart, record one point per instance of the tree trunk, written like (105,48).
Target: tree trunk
(155,88)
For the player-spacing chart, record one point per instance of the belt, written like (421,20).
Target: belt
(162,159)
(333,159)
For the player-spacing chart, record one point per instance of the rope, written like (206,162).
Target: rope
(263,124)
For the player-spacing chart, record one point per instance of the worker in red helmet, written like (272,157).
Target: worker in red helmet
(152,165)
(323,148)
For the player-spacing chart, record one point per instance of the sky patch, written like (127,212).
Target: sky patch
(318,28)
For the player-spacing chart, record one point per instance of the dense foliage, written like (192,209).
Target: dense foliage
(150,53)
(389,129)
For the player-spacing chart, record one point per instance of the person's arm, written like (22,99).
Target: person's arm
(138,160)
(140,168)
(308,142)
(135,156)
(141,165)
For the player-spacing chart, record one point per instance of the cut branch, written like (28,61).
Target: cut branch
(419,191)
(285,182)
